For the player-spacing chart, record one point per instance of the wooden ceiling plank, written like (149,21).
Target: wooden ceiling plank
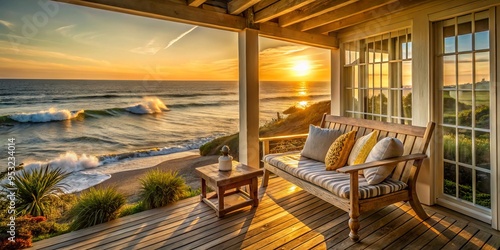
(195,3)
(263,4)
(313,10)
(279,8)
(273,30)
(236,7)
(167,11)
(368,15)
(344,12)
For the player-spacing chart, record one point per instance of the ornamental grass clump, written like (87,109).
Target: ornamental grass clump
(35,188)
(160,188)
(96,206)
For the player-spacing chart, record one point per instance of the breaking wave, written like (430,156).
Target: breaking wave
(149,105)
(49,115)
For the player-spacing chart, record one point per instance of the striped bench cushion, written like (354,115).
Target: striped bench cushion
(338,183)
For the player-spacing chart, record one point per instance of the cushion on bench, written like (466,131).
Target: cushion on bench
(338,183)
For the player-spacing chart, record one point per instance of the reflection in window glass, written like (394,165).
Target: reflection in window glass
(483,189)
(383,78)
(465,113)
(450,172)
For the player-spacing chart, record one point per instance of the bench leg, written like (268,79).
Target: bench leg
(265,178)
(354,226)
(417,207)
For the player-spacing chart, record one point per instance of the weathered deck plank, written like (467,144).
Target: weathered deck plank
(287,218)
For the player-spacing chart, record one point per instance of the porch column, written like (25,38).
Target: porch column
(248,50)
(336,105)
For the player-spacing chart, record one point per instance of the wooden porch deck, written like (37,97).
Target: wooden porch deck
(287,218)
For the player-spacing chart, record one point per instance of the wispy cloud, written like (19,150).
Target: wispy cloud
(179,37)
(70,31)
(7,24)
(149,49)
(152,47)
(46,55)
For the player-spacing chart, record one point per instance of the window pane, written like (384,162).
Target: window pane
(407,103)
(449,72)
(449,143)
(465,183)
(376,75)
(465,108)
(449,38)
(482,112)
(450,183)
(371,50)
(483,70)
(465,146)
(465,71)
(407,75)
(385,75)
(464,35)
(482,144)
(449,107)
(483,189)
(482,34)
(384,99)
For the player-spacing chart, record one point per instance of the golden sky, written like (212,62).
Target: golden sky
(52,40)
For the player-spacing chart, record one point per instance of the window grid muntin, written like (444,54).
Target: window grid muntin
(364,74)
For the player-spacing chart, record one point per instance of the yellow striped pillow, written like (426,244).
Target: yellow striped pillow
(362,148)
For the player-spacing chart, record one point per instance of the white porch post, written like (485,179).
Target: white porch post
(248,50)
(336,105)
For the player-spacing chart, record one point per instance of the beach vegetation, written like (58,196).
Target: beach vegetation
(96,206)
(35,189)
(159,188)
(131,208)
(296,122)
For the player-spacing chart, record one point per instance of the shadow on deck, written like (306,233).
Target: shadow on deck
(287,218)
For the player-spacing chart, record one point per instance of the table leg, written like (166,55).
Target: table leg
(254,192)
(203,189)
(220,194)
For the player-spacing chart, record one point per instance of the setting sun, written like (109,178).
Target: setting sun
(301,68)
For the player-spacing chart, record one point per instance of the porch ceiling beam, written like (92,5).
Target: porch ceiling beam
(167,11)
(236,7)
(313,10)
(272,30)
(344,12)
(279,8)
(366,16)
(195,3)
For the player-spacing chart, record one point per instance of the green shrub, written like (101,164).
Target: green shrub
(130,209)
(160,188)
(96,206)
(34,189)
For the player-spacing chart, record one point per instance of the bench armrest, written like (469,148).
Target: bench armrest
(356,168)
(265,140)
(282,137)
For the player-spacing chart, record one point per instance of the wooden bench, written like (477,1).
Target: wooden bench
(415,140)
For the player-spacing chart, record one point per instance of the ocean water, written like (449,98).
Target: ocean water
(93,128)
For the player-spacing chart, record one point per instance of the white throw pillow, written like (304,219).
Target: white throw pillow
(318,142)
(386,148)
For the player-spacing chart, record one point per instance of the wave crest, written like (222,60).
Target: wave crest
(49,115)
(69,162)
(149,105)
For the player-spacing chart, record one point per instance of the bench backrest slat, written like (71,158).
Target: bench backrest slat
(414,138)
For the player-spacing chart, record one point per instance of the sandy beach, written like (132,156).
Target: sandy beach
(128,183)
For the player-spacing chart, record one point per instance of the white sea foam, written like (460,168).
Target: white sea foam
(51,114)
(69,162)
(149,105)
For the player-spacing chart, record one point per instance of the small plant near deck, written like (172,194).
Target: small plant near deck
(35,188)
(96,206)
(160,188)
(130,209)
